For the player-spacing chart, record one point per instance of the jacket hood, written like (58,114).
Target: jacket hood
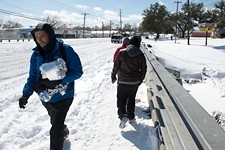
(51,35)
(133,51)
(136,41)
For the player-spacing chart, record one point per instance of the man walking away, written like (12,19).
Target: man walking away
(130,67)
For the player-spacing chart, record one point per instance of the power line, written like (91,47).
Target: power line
(63,5)
(20,15)
(54,2)
(17,7)
(204,1)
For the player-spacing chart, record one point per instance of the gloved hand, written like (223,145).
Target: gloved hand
(113,78)
(50,84)
(23,101)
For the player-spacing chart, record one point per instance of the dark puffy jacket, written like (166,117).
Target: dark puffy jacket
(73,65)
(130,65)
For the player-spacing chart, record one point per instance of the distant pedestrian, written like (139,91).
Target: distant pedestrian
(130,67)
(55,91)
(124,45)
(156,36)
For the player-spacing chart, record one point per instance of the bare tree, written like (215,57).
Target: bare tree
(127,27)
(55,22)
(11,25)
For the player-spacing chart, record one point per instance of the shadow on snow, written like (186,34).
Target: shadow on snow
(142,135)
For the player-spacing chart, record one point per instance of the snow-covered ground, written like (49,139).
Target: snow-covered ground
(92,118)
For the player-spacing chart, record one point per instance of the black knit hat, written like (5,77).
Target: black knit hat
(45,27)
(135,41)
(126,40)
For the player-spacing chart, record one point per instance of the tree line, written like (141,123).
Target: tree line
(157,19)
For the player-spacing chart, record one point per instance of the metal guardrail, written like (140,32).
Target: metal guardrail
(181,122)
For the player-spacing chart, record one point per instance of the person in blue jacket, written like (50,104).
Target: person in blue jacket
(49,49)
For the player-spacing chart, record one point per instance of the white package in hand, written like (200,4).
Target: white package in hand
(46,95)
(55,70)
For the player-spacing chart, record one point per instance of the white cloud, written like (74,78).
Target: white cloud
(50,13)
(65,16)
(96,17)
(83,7)
(161,2)
(115,18)
(133,19)
(111,15)
(99,9)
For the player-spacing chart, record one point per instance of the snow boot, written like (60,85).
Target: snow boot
(123,122)
(66,132)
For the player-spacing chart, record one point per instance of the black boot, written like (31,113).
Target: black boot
(66,132)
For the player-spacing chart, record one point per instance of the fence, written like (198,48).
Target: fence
(14,34)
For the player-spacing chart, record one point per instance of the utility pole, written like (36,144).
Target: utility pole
(188,22)
(176,20)
(103,29)
(110,28)
(120,20)
(84,22)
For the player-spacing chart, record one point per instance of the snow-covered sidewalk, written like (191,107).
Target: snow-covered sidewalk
(92,118)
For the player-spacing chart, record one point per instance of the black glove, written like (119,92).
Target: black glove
(113,78)
(39,87)
(50,84)
(23,101)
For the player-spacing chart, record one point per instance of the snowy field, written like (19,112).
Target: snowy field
(92,118)
(201,66)
(202,69)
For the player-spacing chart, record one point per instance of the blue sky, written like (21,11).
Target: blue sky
(98,11)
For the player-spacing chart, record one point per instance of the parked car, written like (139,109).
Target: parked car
(116,38)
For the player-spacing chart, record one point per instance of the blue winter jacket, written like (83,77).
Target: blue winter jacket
(74,70)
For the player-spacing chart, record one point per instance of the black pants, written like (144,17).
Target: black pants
(57,112)
(126,100)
